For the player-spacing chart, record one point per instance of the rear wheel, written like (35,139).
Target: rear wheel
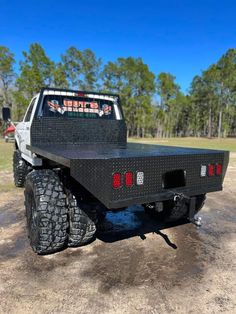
(46,211)
(82,220)
(20,169)
(172,211)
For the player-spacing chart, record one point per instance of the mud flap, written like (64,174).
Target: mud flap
(192,208)
(197,221)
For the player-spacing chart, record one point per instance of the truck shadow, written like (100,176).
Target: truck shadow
(133,222)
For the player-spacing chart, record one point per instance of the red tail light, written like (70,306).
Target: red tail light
(218,169)
(211,170)
(129,179)
(116,180)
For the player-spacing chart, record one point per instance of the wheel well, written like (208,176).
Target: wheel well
(16,145)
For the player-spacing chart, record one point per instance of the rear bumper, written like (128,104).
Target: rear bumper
(96,177)
(92,166)
(161,196)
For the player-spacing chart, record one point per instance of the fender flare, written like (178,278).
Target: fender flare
(16,143)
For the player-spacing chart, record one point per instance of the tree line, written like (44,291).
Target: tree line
(154,104)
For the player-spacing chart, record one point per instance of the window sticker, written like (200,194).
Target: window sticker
(55,107)
(80,106)
(106,109)
(70,105)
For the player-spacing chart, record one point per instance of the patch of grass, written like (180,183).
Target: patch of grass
(222,144)
(6,151)
(7,187)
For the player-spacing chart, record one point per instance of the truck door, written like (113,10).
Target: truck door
(25,128)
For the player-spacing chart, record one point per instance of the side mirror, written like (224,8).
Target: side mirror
(6,114)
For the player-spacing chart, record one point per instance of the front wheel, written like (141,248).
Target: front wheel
(20,169)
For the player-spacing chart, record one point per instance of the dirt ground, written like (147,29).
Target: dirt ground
(133,268)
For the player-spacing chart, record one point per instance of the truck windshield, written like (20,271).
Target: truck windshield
(80,107)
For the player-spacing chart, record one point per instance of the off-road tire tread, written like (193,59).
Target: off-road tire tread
(20,169)
(82,221)
(51,207)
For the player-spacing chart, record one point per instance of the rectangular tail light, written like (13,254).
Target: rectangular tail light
(218,169)
(139,178)
(116,180)
(211,170)
(203,172)
(129,179)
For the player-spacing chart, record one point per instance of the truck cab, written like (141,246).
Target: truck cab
(53,104)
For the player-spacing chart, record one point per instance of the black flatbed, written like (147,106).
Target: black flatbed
(95,149)
(64,153)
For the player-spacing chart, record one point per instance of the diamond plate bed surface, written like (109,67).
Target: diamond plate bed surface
(106,151)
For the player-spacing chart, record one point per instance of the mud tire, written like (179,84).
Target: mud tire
(82,221)
(46,211)
(20,169)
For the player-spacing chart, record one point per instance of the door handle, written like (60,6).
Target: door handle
(27,128)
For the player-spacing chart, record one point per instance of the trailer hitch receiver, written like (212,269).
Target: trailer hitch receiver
(191,201)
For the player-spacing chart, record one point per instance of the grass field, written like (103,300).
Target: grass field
(223,144)
(6,150)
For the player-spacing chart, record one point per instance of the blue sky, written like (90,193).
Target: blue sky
(180,37)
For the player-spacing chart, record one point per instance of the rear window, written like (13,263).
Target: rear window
(78,107)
